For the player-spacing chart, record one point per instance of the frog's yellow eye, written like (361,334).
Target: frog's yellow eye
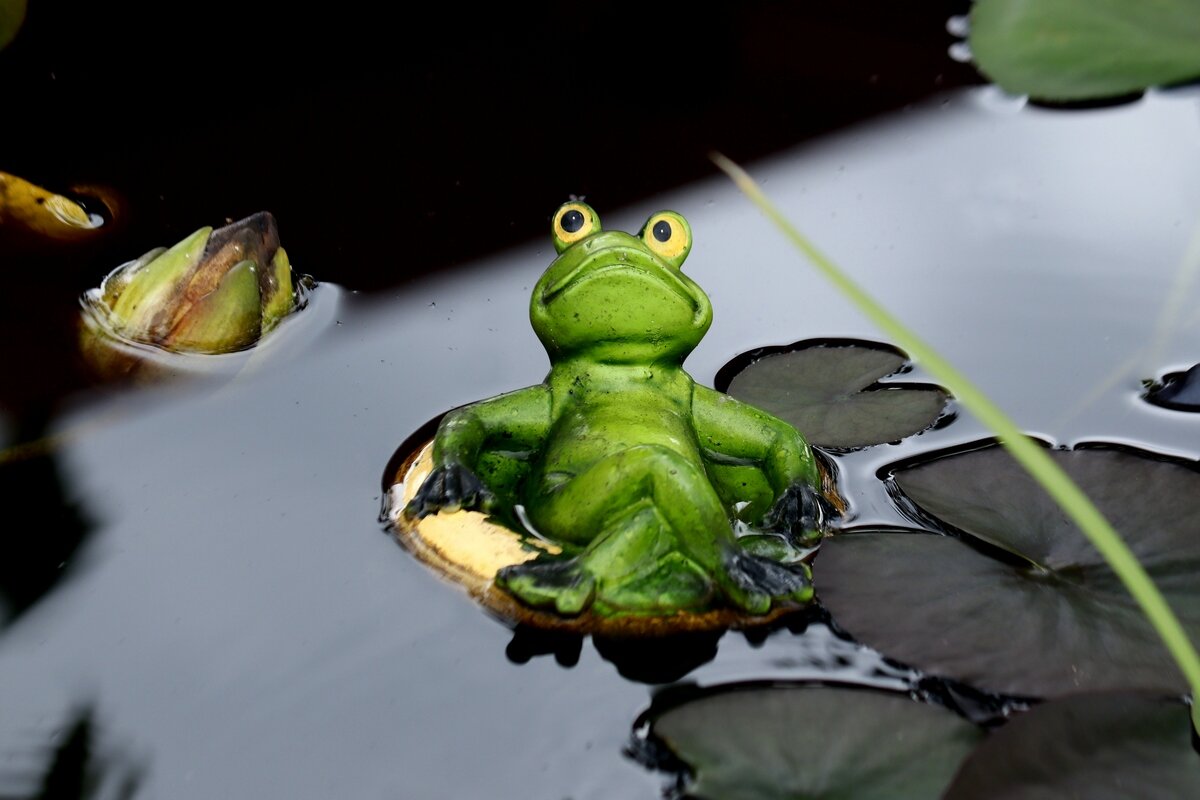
(669,236)
(572,222)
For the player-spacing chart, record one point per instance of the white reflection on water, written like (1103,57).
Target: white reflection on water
(242,621)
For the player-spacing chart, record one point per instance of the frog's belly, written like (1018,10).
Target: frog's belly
(584,437)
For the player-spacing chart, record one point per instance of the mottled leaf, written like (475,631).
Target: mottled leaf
(819,388)
(1081,49)
(1040,613)
(1114,746)
(770,743)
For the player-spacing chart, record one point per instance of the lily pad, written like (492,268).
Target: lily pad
(828,390)
(1022,603)
(770,743)
(1098,746)
(1085,49)
(1179,391)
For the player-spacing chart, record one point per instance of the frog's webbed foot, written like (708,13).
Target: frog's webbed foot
(801,513)
(449,488)
(755,582)
(559,584)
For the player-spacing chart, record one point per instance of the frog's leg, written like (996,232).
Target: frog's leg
(737,436)
(632,509)
(515,421)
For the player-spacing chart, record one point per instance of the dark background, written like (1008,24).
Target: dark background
(390,150)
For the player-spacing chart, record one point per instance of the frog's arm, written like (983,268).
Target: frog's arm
(734,432)
(741,432)
(518,421)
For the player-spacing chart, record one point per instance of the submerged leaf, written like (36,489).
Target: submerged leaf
(1081,49)
(772,743)
(1042,613)
(1099,746)
(827,392)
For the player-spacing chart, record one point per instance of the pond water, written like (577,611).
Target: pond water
(209,586)
(238,625)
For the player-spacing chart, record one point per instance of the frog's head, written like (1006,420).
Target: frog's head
(616,297)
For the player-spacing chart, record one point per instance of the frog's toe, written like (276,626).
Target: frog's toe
(561,585)
(801,513)
(761,579)
(449,488)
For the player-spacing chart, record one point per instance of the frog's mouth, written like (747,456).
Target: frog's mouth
(585,272)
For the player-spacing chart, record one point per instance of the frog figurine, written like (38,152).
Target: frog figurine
(638,473)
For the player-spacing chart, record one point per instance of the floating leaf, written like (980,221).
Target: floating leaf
(1179,391)
(1040,612)
(828,391)
(769,743)
(1099,746)
(1081,49)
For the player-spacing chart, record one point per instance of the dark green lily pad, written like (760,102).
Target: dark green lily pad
(1039,612)
(828,390)
(1085,49)
(1100,746)
(770,743)
(1179,391)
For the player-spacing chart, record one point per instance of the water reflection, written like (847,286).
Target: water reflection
(79,762)
(47,523)
(244,619)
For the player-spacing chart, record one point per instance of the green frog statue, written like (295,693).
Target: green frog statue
(665,496)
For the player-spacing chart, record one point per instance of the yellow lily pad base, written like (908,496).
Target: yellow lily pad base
(467,548)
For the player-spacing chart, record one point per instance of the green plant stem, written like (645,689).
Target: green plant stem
(1027,453)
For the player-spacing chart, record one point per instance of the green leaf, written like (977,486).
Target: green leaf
(819,389)
(1043,614)
(149,292)
(1099,746)
(279,296)
(771,743)
(227,319)
(1081,49)
(12,14)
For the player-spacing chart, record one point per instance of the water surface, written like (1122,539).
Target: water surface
(241,626)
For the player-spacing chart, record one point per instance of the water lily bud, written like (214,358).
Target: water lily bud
(216,291)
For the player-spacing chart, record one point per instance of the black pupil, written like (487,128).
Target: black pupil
(572,221)
(662,230)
